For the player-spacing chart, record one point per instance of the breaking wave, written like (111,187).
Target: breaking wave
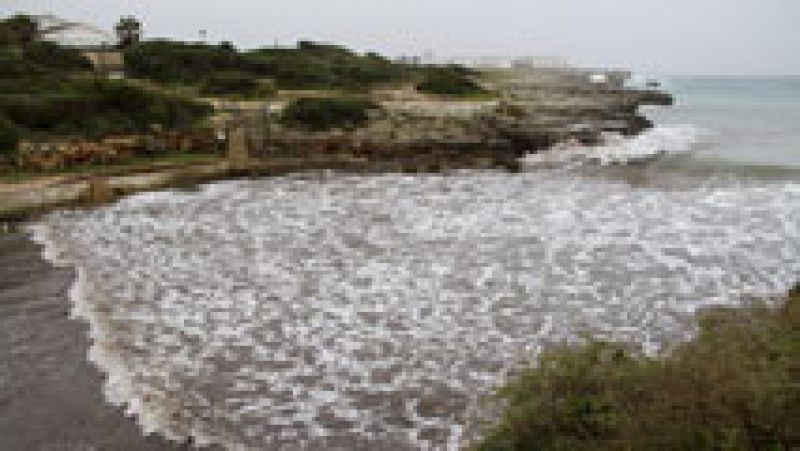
(373,312)
(616,149)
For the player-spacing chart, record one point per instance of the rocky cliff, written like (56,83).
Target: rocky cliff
(530,113)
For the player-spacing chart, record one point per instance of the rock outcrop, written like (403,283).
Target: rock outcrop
(532,112)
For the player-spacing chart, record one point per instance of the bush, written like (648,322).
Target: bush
(95,107)
(328,112)
(235,84)
(14,66)
(41,95)
(51,55)
(308,66)
(323,66)
(179,62)
(450,80)
(9,138)
(736,386)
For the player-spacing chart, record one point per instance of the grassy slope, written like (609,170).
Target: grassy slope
(49,90)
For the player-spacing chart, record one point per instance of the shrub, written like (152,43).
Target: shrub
(308,66)
(235,84)
(172,61)
(734,387)
(14,66)
(9,137)
(94,107)
(449,80)
(327,112)
(51,55)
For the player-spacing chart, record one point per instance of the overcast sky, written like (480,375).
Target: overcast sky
(660,36)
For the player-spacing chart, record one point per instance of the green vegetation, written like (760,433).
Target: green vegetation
(46,89)
(50,90)
(92,107)
(53,56)
(236,84)
(309,65)
(9,136)
(323,66)
(449,80)
(736,386)
(323,113)
(180,62)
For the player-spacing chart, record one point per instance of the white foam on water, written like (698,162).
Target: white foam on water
(616,149)
(372,312)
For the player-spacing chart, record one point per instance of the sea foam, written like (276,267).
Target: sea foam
(373,312)
(616,149)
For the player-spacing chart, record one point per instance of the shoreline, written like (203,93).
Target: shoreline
(24,201)
(500,176)
(536,111)
(53,397)
(55,382)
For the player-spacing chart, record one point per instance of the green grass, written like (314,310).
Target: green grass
(736,386)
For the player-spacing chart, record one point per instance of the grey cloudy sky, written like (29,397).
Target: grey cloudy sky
(664,36)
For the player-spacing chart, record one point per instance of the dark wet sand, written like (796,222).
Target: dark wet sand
(50,395)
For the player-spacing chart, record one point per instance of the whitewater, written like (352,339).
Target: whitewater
(376,311)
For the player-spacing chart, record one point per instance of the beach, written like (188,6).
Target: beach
(50,396)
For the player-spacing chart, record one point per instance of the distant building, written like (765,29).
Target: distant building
(508,62)
(540,62)
(98,46)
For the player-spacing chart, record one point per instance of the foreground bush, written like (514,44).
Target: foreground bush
(736,386)
(327,112)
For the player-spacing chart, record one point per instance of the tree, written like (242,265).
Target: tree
(18,30)
(129,31)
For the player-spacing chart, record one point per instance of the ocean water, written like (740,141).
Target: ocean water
(375,311)
(745,121)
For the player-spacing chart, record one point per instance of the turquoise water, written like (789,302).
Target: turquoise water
(743,121)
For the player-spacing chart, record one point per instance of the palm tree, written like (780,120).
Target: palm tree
(129,31)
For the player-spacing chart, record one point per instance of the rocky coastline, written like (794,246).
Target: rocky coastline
(532,111)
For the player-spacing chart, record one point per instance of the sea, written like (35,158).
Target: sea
(351,311)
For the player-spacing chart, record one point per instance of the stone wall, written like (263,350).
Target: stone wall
(52,154)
